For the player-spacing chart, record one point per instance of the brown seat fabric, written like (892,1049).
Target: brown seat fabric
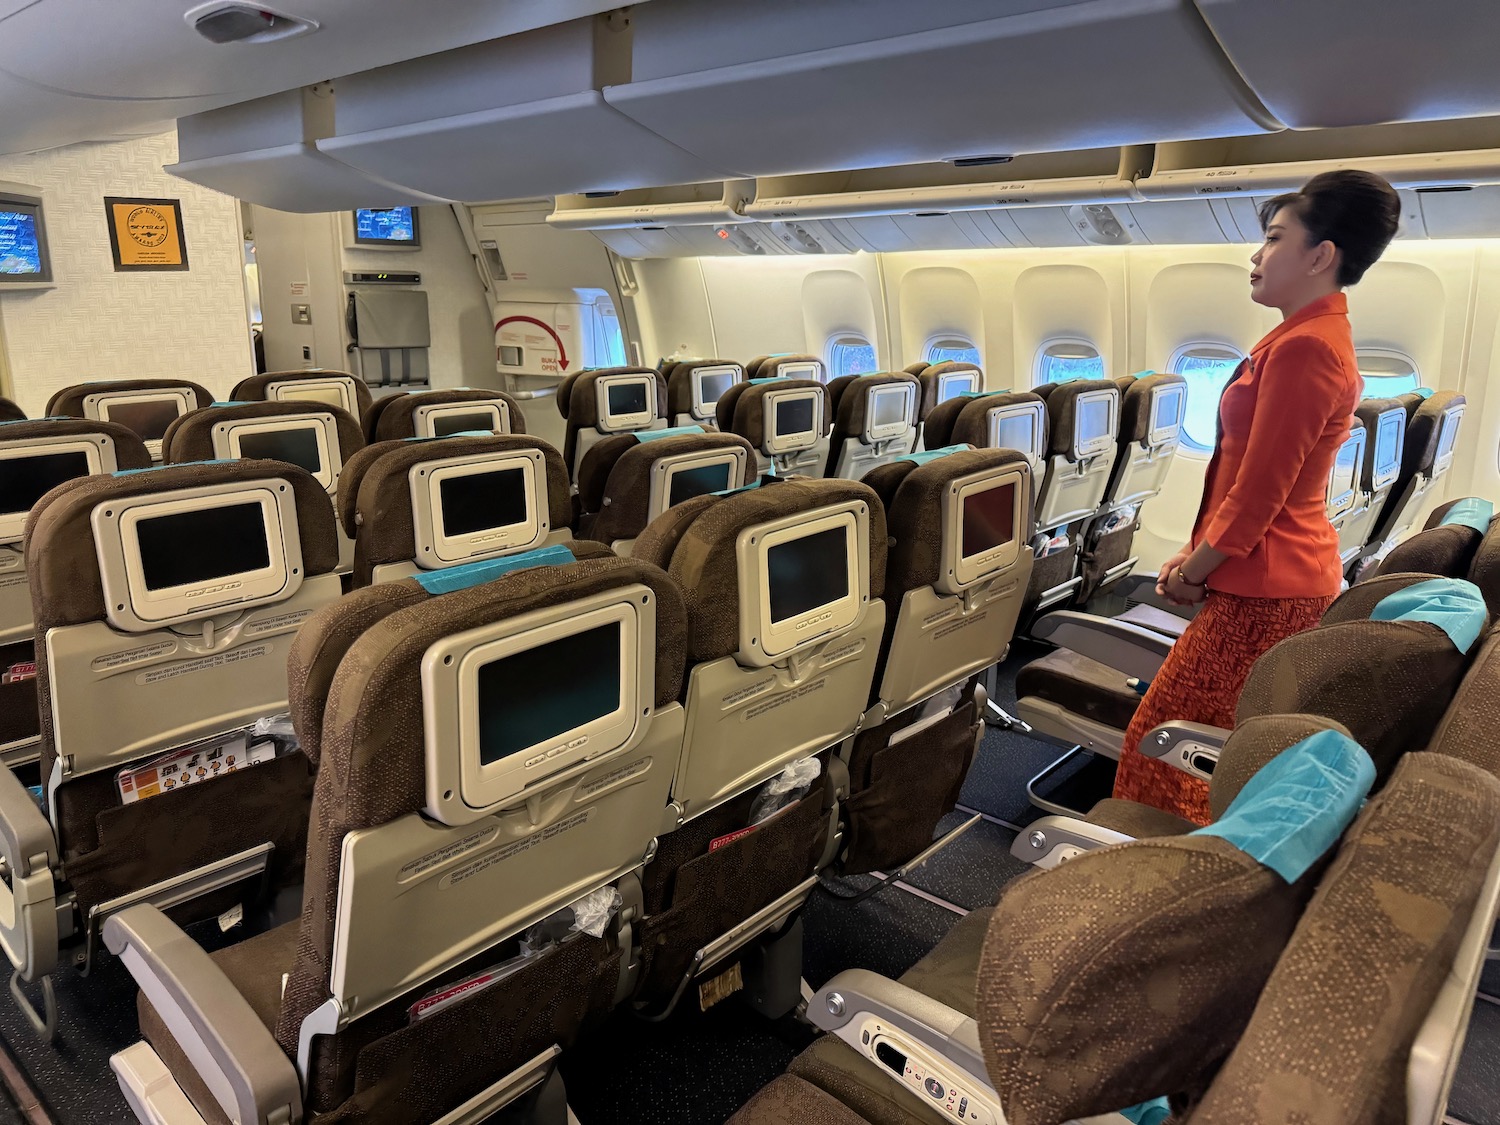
(741,409)
(255,387)
(1335,1025)
(130,450)
(786,1098)
(614,480)
(375,493)
(394,418)
(1138,821)
(679,377)
(582,406)
(1162,621)
(970,426)
(1135,404)
(190,437)
(850,404)
(930,379)
(1467,730)
(1418,452)
(1446,551)
(10,412)
(69,400)
(1083,686)
(1484,571)
(1062,402)
(373,756)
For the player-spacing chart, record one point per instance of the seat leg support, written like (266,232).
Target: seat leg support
(44,1023)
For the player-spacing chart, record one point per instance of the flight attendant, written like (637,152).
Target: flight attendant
(1263,559)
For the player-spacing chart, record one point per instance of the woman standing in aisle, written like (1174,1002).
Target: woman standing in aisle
(1263,558)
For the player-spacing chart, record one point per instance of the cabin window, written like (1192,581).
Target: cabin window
(1207,369)
(851,355)
(1062,361)
(944,349)
(603,342)
(1386,373)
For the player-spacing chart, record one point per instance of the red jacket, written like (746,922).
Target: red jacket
(1281,420)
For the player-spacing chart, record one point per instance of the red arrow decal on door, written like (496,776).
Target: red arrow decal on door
(562,355)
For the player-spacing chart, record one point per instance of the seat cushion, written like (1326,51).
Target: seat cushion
(1138,821)
(948,971)
(255,968)
(1085,687)
(787,1098)
(1157,620)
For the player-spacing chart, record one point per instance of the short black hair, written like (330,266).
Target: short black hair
(1356,211)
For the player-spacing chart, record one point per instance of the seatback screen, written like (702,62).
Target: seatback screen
(687,483)
(149,419)
(888,408)
(25,480)
(627,398)
(1093,419)
(189,548)
(295,446)
(713,384)
(1016,432)
(989,519)
(794,416)
(329,394)
(1448,436)
(530,697)
(805,573)
(951,386)
(1388,435)
(480,501)
(1164,411)
(1344,468)
(446,424)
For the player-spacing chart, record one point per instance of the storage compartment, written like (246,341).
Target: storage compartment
(19,719)
(899,791)
(696,892)
(1101,554)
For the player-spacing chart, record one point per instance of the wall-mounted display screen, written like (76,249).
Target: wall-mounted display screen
(387,226)
(23,240)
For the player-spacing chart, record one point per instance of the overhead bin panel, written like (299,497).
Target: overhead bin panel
(783,87)
(257,151)
(1322,65)
(514,117)
(745,240)
(703,204)
(1472,213)
(1179,222)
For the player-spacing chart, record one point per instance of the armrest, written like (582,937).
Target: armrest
(1192,748)
(28,906)
(233,1052)
(1134,650)
(898,1027)
(1053,839)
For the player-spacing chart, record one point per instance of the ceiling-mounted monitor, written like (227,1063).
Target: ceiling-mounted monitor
(23,241)
(386,228)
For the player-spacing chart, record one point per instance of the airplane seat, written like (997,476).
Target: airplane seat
(786,422)
(874,422)
(147,406)
(473,785)
(790,366)
(10,412)
(1086,703)
(441,413)
(347,391)
(611,400)
(1385,421)
(1426,454)
(1484,571)
(995,420)
(957,568)
(166,601)
(563,399)
(1446,546)
(628,480)
(1151,412)
(783,583)
(694,386)
(1046,1008)
(35,457)
(423,504)
(940,382)
(916,368)
(1346,503)
(308,433)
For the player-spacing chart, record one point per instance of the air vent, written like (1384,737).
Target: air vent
(233,22)
(1098,224)
(979,161)
(1444,190)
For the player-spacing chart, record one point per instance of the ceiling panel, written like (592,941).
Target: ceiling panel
(1360,62)
(1066,76)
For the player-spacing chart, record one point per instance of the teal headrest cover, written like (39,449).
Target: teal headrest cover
(1471,512)
(463,576)
(1452,604)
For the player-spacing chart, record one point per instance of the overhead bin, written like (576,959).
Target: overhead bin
(688,203)
(782,86)
(1438,154)
(259,151)
(1322,65)
(514,117)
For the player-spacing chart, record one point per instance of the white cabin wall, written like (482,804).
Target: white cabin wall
(95,323)
(1136,304)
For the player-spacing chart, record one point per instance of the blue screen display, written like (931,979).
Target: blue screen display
(385,224)
(20,252)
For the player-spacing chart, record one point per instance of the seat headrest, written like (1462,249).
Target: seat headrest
(257,387)
(930,378)
(741,410)
(971,425)
(375,506)
(616,483)
(130,450)
(1380,934)
(679,376)
(791,367)
(564,396)
(10,412)
(190,437)
(394,418)
(1467,729)
(916,368)
(1062,407)
(62,560)
(851,403)
(1131,971)
(1468,511)
(1484,571)
(1420,450)
(1387,679)
(1386,422)
(695,542)
(1445,551)
(1138,393)
(69,400)
(583,405)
